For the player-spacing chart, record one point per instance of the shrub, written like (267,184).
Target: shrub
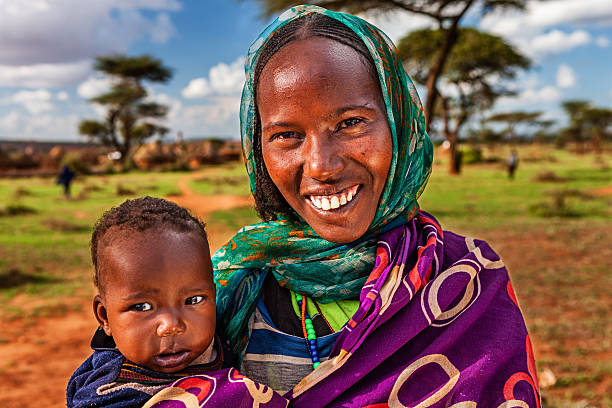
(472,155)
(76,162)
(18,209)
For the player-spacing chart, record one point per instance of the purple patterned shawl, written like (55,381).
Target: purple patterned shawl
(438,326)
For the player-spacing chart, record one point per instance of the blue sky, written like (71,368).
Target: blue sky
(47,48)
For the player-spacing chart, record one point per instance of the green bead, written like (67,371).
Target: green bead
(308,323)
(298,297)
(311,336)
(315,365)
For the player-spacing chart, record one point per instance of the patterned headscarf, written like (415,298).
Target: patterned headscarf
(297,257)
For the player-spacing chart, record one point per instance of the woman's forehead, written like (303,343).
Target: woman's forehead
(316,58)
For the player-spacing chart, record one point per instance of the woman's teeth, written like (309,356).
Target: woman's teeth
(327,202)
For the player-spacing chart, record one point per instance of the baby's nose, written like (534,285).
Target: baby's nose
(170,325)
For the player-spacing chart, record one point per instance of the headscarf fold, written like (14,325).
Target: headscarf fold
(297,257)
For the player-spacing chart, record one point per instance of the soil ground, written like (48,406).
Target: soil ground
(560,269)
(40,354)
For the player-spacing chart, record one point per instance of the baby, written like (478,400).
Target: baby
(155,306)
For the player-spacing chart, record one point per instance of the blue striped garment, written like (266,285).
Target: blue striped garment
(277,359)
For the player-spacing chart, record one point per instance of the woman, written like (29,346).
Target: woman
(347,294)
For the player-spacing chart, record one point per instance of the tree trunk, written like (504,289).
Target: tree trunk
(597,138)
(452,34)
(454,161)
(451,136)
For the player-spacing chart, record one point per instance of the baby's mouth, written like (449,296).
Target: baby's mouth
(334,201)
(171,360)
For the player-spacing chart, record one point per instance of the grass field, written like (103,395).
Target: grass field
(551,225)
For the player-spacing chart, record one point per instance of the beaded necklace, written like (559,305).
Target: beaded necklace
(309,333)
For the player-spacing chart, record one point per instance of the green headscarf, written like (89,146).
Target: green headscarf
(297,257)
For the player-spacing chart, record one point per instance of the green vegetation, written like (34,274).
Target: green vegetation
(223,179)
(558,251)
(44,238)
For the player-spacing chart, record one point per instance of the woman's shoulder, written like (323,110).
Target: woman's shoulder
(457,247)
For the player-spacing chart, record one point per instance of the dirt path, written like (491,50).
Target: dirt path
(37,363)
(38,356)
(204,205)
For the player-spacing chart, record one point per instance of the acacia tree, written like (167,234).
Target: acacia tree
(576,129)
(587,122)
(475,75)
(130,119)
(447,14)
(513,119)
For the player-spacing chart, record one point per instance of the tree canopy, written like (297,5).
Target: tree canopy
(130,118)
(476,73)
(586,122)
(446,13)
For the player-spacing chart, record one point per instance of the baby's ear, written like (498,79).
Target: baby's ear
(100,312)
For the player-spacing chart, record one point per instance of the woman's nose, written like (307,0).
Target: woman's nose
(322,160)
(170,324)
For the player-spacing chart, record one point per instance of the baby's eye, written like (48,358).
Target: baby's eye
(194,300)
(141,307)
(349,123)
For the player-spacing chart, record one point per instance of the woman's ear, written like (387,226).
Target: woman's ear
(101,316)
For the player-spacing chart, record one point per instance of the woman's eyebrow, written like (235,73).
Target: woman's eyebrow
(344,109)
(276,124)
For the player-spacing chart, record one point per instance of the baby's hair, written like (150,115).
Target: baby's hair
(140,215)
(268,200)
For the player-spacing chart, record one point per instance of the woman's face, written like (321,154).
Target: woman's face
(326,140)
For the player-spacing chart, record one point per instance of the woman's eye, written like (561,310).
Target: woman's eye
(284,136)
(141,307)
(349,123)
(194,300)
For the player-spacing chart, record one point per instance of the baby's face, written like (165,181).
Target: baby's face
(159,297)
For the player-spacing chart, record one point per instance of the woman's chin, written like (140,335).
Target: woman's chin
(341,225)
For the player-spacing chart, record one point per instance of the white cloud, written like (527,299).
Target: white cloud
(23,126)
(565,76)
(62,96)
(223,79)
(43,75)
(396,24)
(197,88)
(34,101)
(42,38)
(556,41)
(164,29)
(93,86)
(10,121)
(602,41)
(44,31)
(219,118)
(540,15)
(528,30)
(530,97)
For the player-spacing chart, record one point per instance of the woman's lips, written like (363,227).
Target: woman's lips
(172,360)
(334,201)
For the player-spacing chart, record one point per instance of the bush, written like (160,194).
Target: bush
(76,162)
(472,155)
(18,209)
(124,191)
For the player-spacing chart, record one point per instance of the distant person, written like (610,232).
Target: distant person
(156,309)
(512,164)
(65,178)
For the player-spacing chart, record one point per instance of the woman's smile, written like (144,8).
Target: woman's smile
(326,140)
(330,202)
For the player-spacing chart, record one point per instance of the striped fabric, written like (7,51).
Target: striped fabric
(278,359)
